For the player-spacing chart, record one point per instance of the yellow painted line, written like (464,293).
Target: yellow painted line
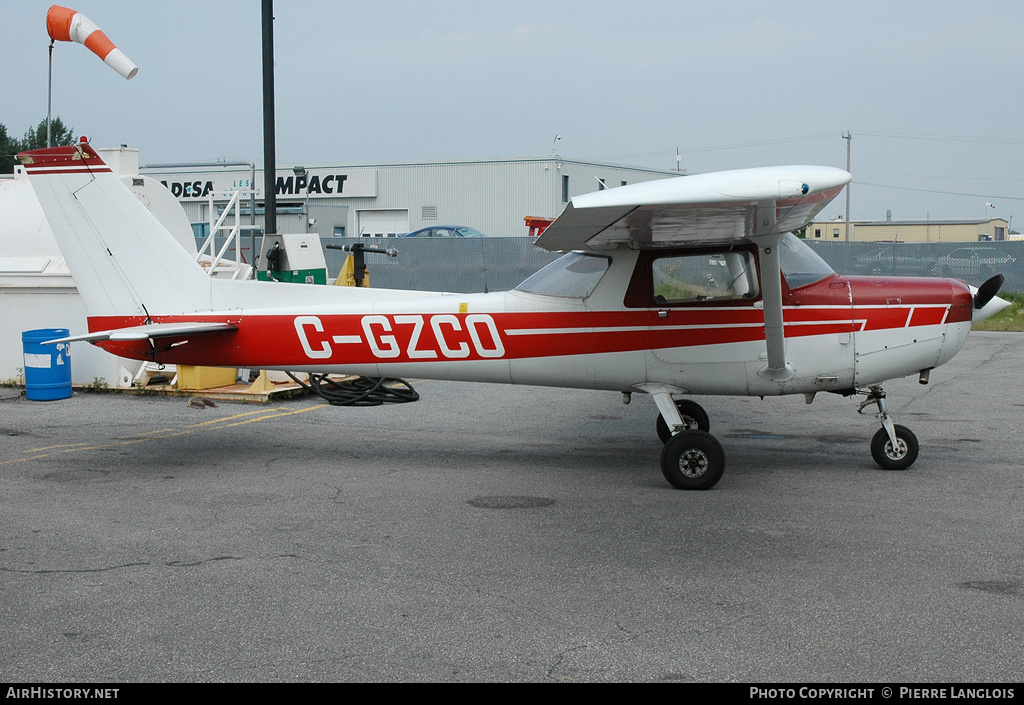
(261,415)
(146,433)
(275,415)
(229,418)
(68,445)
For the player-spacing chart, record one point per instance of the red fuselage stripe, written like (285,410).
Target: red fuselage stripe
(278,340)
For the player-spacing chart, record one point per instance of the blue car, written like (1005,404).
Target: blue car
(446,231)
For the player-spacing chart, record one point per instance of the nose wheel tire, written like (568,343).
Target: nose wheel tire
(693,460)
(899,458)
(694,418)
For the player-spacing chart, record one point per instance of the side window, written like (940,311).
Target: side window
(704,277)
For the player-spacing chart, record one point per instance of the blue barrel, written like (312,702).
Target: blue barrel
(47,367)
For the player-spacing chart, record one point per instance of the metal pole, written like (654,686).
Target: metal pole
(849,138)
(253,255)
(49,96)
(269,146)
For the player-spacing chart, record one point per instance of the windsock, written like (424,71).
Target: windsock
(68,25)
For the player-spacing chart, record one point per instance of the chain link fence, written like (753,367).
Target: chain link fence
(497,264)
(457,265)
(974,262)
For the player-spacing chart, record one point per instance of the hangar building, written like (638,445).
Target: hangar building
(493,196)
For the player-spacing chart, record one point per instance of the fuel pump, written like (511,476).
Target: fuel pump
(297,258)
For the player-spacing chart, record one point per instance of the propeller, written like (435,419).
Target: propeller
(987,291)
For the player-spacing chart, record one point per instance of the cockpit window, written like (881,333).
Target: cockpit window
(800,264)
(575,275)
(704,277)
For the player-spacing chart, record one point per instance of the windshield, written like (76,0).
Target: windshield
(574,275)
(800,264)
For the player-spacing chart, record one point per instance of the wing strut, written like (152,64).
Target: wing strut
(777,369)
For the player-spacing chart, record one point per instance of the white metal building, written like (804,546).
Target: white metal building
(493,196)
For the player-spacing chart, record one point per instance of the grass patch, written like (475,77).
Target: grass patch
(1011,319)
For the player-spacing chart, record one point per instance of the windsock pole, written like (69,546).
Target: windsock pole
(67,25)
(49,97)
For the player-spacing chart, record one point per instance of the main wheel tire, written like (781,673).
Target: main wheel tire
(693,460)
(900,458)
(694,419)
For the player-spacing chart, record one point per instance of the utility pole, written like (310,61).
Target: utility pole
(849,138)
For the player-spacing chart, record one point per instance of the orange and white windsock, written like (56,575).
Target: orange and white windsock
(66,25)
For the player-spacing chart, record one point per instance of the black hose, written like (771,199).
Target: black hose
(359,391)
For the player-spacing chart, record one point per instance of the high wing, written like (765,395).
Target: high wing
(721,207)
(747,205)
(153,331)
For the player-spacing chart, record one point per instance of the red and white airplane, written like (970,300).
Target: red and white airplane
(678,287)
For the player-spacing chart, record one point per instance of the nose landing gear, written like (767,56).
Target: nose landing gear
(893,447)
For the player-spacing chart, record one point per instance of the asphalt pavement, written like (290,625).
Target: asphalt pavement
(491,533)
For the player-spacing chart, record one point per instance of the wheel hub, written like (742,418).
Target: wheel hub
(693,463)
(899,452)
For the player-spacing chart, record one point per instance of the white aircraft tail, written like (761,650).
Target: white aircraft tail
(123,260)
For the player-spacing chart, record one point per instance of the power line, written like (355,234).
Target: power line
(760,143)
(945,138)
(826,135)
(946,193)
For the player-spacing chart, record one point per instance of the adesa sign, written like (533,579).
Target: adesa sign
(315,183)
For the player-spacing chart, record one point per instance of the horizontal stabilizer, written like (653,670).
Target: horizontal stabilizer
(152,331)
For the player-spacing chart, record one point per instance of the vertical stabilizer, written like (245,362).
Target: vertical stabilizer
(123,260)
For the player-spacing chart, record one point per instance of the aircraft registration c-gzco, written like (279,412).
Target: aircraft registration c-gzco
(686,286)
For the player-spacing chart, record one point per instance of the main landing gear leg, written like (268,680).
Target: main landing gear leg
(893,447)
(692,459)
(691,417)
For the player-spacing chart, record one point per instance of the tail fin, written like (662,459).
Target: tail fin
(123,260)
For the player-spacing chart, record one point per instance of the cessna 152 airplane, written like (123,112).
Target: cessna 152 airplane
(686,286)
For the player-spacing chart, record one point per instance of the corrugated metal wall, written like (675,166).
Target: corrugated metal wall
(491,196)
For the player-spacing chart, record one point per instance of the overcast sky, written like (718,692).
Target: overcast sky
(929,91)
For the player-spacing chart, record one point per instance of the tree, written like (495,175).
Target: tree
(8,149)
(60,135)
